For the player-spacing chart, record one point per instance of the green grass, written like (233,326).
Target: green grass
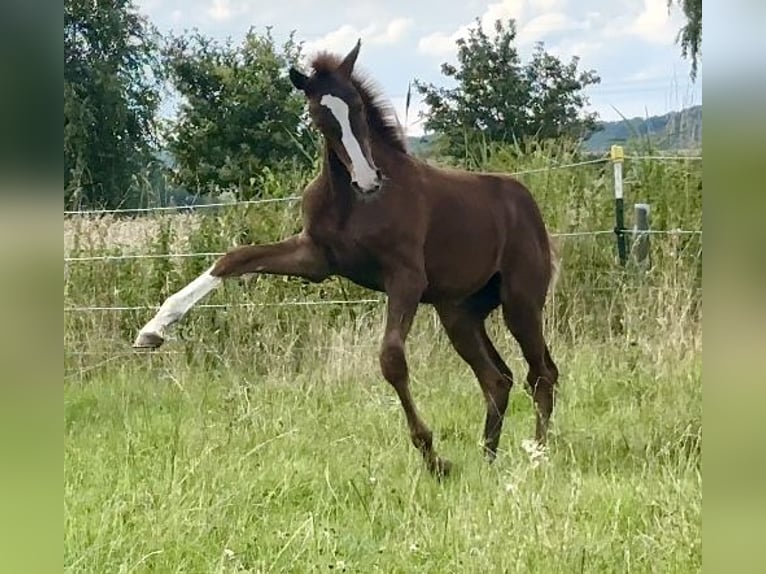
(172,467)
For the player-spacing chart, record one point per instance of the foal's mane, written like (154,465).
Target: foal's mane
(381,116)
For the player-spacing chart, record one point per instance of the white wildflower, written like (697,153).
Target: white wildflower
(537,454)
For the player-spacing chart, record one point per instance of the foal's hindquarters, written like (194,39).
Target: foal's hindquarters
(518,274)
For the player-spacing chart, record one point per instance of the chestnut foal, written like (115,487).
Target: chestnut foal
(463,242)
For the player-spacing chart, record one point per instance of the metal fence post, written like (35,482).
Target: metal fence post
(617,155)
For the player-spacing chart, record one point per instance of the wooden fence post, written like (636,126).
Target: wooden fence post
(641,248)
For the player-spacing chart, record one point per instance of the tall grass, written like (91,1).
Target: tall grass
(594,295)
(265,440)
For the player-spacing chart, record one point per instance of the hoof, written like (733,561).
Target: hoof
(148,340)
(441,468)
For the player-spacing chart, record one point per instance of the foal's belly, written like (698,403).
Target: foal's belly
(366,280)
(456,270)
(446,281)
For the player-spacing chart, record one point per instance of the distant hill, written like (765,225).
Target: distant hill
(419,145)
(681,130)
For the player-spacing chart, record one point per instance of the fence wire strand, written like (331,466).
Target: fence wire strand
(564,234)
(317,303)
(322,303)
(192,208)
(294,198)
(182,208)
(665,157)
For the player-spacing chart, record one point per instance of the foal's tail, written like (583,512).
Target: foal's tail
(555,264)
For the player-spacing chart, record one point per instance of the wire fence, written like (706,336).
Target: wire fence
(320,302)
(563,234)
(294,198)
(124,351)
(310,303)
(334,302)
(129,351)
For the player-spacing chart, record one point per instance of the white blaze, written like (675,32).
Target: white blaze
(362,173)
(178,304)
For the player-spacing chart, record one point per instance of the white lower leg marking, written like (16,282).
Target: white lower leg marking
(363,173)
(178,304)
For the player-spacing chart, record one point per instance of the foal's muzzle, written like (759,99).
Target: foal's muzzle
(374,185)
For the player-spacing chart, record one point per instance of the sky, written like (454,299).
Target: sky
(630,43)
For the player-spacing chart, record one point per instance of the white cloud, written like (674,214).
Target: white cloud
(583,49)
(503,10)
(546,5)
(343,39)
(540,20)
(655,23)
(442,44)
(539,27)
(535,20)
(439,43)
(650,72)
(395,31)
(340,40)
(223,10)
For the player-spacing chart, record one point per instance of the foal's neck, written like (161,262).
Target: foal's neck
(387,159)
(337,188)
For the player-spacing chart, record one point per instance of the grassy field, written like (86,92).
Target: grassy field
(263,439)
(170,468)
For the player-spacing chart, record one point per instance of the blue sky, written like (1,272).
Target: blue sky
(630,43)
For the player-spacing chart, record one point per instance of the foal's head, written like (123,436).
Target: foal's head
(337,109)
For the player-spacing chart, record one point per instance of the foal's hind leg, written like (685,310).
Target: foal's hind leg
(465,328)
(524,319)
(403,298)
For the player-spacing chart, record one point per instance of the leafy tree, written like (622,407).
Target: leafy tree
(497,98)
(111,94)
(240,117)
(690,34)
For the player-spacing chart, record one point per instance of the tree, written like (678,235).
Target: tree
(690,34)
(500,99)
(239,116)
(111,94)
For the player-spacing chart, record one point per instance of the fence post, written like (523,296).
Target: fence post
(618,156)
(640,235)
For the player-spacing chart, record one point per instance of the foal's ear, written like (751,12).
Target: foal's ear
(299,79)
(347,65)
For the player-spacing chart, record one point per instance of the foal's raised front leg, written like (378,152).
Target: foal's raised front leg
(297,256)
(404,293)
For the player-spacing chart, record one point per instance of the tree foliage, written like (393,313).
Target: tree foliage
(690,34)
(239,115)
(111,94)
(498,98)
